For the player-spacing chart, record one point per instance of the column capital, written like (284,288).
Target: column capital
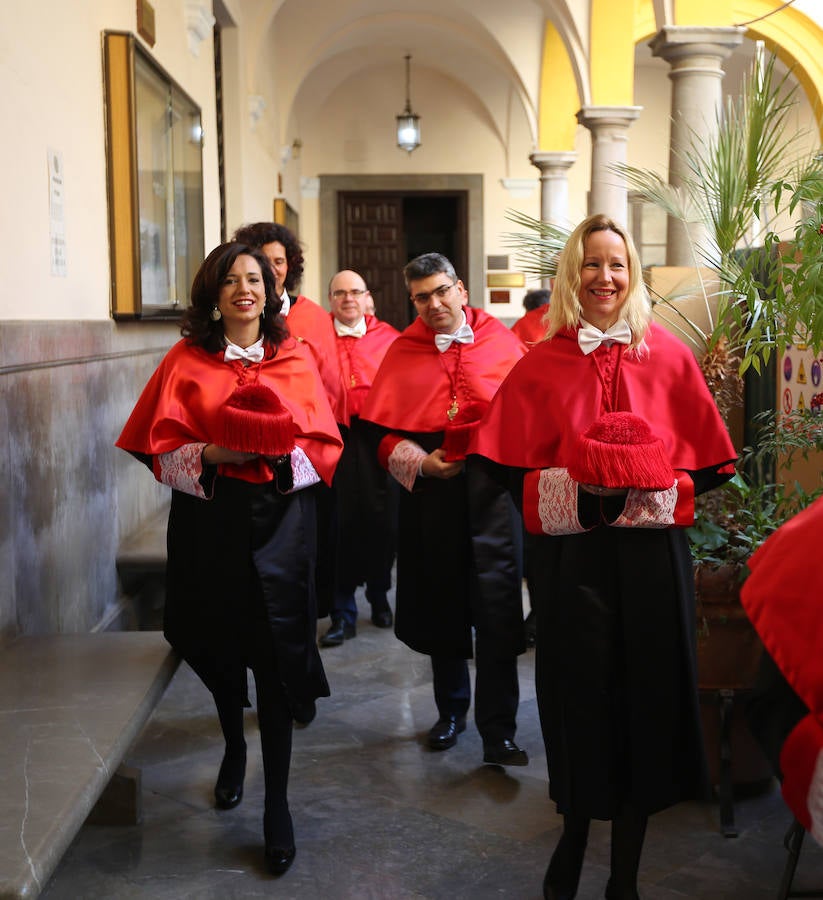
(552,162)
(676,42)
(599,117)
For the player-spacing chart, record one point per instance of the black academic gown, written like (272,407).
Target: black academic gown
(240,587)
(366,510)
(459,561)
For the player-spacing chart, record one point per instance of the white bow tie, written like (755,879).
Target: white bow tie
(590,337)
(463,335)
(355,331)
(254,353)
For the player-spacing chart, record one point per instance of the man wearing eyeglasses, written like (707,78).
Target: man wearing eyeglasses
(459,553)
(365,519)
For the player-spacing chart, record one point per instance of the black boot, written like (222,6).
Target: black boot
(563,873)
(228,791)
(628,834)
(275,719)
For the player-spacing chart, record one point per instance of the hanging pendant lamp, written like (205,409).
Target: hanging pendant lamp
(408,124)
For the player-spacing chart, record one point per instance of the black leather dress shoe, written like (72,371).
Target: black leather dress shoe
(228,791)
(278,859)
(303,713)
(337,633)
(506,753)
(383,618)
(443,734)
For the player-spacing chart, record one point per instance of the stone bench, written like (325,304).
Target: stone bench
(71,705)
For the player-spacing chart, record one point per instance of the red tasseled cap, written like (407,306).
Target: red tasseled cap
(460,429)
(619,450)
(254,420)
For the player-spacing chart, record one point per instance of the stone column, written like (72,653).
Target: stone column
(609,127)
(554,166)
(554,184)
(695,55)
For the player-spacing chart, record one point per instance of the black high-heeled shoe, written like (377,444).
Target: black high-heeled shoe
(279,859)
(228,791)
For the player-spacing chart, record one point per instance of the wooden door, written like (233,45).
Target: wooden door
(372,243)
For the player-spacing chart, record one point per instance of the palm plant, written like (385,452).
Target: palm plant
(750,172)
(755,301)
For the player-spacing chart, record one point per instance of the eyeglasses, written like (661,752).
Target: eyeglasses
(357,293)
(439,292)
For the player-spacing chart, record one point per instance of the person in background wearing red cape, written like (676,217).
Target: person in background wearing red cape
(307,321)
(531,327)
(785,711)
(459,553)
(615,662)
(365,504)
(236,422)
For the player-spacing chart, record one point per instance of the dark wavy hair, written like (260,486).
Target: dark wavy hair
(197,325)
(261,233)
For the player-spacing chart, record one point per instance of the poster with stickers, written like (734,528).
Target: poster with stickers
(799,385)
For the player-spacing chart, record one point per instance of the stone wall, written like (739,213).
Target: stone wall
(67,495)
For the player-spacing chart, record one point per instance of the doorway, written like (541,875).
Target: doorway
(379,232)
(375,224)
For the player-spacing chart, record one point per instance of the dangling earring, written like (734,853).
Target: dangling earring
(215,314)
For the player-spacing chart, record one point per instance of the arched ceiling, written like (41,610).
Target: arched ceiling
(477,44)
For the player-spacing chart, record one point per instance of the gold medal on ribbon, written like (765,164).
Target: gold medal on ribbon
(451,412)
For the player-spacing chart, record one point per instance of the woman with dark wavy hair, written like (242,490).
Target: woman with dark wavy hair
(235,421)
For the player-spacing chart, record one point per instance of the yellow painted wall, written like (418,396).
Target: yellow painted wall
(703,12)
(611,56)
(559,98)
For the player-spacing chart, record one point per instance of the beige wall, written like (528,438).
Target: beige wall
(52,97)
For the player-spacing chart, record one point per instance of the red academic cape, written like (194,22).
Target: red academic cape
(311,324)
(182,401)
(782,599)
(413,389)
(531,328)
(555,393)
(360,358)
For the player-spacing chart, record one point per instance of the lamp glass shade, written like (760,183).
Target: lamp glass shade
(408,131)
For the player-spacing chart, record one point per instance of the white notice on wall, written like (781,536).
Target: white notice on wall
(57,221)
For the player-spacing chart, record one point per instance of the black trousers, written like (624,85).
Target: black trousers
(497,690)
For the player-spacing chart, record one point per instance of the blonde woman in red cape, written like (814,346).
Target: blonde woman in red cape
(606,431)
(235,420)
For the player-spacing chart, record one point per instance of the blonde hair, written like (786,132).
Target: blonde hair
(565,309)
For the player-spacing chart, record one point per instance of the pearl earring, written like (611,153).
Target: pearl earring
(216,315)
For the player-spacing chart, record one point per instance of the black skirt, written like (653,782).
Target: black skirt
(240,587)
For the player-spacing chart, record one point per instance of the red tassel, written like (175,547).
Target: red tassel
(619,450)
(254,420)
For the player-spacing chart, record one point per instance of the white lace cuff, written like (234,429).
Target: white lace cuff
(182,469)
(550,502)
(302,471)
(404,462)
(648,509)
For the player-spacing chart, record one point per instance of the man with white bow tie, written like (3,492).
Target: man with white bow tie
(459,553)
(365,507)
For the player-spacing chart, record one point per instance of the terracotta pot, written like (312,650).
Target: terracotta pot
(728,647)
(728,658)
